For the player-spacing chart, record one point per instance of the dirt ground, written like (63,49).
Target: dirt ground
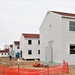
(28,64)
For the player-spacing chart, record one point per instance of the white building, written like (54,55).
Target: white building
(30,46)
(16,48)
(57,35)
(4,53)
(11,50)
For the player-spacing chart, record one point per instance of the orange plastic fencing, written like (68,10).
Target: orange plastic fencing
(15,71)
(65,67)
(3,70)
(53,70)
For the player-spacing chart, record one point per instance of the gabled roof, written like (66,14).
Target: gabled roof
(64,13)
(30,35)
(5,50)
(16,42)
(11,46)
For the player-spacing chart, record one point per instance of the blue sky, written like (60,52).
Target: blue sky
(26,16)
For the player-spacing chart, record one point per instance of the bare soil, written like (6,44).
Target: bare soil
(28,64)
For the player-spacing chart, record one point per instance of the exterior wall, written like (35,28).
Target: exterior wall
(11,51)
(22,45)
(68,38)
(5,54)
(15,50)
(34,47)
(25,47)
(44,36)
(51,30)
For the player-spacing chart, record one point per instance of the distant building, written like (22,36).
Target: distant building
(30,46)
(11,52)
(16,47)
(57,35)
(4,53)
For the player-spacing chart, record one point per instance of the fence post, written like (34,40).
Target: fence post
(18,65)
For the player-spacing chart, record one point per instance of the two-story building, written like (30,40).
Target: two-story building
(11,52)
(16,48)
(57,35)
(30,46)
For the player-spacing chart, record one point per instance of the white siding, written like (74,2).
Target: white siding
(54,33)
(5,54)
(22,45)
(25,47)
(68,38)
(61,36)
(34,47)
(15,49)
(11,51)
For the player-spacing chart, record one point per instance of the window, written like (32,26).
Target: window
(21,53)
(17,47)
(38,51)
(8,53)
(72,49)
(2,53)
(5,53)
(38,42)
(29,42)
(29,52)
(72,26)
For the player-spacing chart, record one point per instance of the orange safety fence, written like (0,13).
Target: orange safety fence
(52,70)
(3,70)
(55,70)
(15,71)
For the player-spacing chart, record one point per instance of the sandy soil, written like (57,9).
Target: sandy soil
(28,64)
